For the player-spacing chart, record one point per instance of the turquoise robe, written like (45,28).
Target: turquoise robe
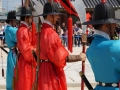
(104,57)
(10,37)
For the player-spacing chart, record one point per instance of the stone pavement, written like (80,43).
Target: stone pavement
(71,70)
(69,88)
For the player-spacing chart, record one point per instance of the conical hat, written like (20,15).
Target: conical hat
(103,14)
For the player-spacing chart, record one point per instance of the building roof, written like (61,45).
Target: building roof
(3,18)
(92,3)
(45,1)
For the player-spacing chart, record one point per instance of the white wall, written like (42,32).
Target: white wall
(117,14)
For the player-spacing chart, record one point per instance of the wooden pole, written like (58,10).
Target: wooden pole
(84,41)
(83,67)
(27,3)
(38,55)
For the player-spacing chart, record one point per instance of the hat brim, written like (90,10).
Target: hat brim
(19,15)
(51,14)
(13,19)
(105,21)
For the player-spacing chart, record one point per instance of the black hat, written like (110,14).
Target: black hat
(11,15)
(24,12)
(50,9)
(103,14)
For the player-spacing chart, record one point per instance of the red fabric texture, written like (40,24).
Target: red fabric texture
(51,74)
(26,62)
(70,33)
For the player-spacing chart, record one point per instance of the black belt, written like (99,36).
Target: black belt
(108,84)
(12,48)
(44,61)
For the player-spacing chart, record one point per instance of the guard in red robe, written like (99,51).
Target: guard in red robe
(26,63)
(53,55)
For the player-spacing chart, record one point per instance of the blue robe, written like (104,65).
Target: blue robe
(104,57)
(10,37)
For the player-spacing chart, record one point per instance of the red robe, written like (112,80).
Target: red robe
(26,62)
(51,74)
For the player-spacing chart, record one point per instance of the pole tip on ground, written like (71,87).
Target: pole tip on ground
(80,73)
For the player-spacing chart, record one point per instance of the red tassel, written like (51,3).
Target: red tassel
(63,3)
(56,1)
(2,72)
(33,33)
(70,32)
(103,1)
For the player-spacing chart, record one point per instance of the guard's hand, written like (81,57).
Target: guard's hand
(34,55)
(83,56)
(34,49)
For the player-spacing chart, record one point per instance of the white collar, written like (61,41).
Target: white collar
(48,22)
(105,35)
(8,25)
(24,23)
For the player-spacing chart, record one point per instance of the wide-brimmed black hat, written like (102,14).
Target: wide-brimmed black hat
(103,14)
(11,15)
(50,9)
(24,12)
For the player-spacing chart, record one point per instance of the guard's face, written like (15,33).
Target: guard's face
(113,27)
(14,23)
(30,19)
(56,17)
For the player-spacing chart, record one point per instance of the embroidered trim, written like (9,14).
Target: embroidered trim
(24,23)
